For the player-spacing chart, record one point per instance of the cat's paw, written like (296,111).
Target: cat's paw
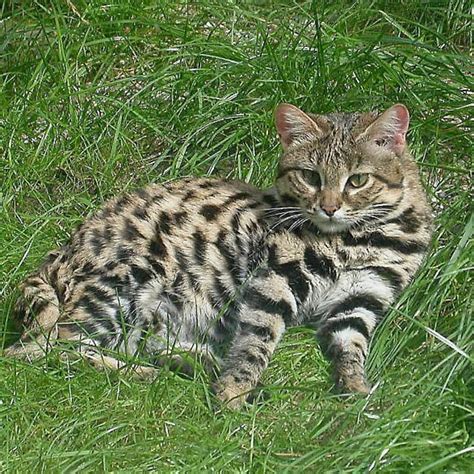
(354,384)
(349,375)
(231,394)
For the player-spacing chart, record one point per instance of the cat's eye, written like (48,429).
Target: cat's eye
(358,180)
(312,178)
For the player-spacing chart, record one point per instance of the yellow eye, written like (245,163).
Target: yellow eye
(358,180)
(312,178)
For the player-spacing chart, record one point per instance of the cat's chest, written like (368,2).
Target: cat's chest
(314,269)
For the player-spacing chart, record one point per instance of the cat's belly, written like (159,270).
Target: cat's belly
(309,311)
(185,323)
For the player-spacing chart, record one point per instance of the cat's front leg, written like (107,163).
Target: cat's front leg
(347,351)
(265,308)
(355,307)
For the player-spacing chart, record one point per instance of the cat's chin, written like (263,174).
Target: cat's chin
(329,225)
(332,227)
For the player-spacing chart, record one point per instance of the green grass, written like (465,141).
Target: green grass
(99,97)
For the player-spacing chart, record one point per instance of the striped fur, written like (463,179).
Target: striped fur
(218,269)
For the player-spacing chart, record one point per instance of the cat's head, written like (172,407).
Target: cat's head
(342,170)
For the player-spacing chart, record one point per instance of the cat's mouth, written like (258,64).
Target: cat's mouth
(334,224)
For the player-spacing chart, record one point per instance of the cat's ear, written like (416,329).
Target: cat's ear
(389,129)
(294,126)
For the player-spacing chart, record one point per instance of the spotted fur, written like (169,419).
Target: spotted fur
(219,269)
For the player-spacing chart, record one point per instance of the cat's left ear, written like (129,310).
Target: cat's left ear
(294,126)
(389,129)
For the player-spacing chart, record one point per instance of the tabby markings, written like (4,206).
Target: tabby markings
(319,264)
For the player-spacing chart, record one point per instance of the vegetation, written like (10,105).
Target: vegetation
(100,97)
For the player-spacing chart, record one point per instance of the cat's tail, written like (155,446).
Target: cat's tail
(36,315)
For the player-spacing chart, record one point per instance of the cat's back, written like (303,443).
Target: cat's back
(190,225)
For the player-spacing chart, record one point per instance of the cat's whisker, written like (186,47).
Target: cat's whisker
(367,220)
(299,224)
(279,210)
(295,224)
(371,215)
(282,221)
(285,213)
(267,209)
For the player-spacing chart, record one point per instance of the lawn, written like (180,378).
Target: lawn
(102,97)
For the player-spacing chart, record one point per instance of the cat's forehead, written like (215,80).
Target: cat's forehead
(337,150)
(346,123)
(342,121)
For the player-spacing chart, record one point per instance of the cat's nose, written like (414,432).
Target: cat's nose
(330,210)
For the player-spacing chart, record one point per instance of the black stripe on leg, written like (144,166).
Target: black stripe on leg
(263,332)
(90,306)
(319,264)
(365,301)
(391,276)
(349,322)
(229,257)
(83,327)
(259,360)
(193,279)
(256,300)
(98,293)
(296,280)
(107,324)
(292,272)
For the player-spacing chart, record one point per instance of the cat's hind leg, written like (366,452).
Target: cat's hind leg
(36,314)
(101,327)
(98,359)
(186,357)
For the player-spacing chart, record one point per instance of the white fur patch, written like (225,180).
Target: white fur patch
(355,283)
(346,338)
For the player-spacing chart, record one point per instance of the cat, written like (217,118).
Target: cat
(219,269)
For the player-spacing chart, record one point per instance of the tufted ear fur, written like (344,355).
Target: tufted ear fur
(389,129)
(294,126)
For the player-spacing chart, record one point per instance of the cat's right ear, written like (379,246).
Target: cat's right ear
(390,128)
(294,126)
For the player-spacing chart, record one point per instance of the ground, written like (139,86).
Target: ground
(100,97)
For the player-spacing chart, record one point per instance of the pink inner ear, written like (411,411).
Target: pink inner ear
(403,120)
(282,124)
(293,124)
(390,129)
